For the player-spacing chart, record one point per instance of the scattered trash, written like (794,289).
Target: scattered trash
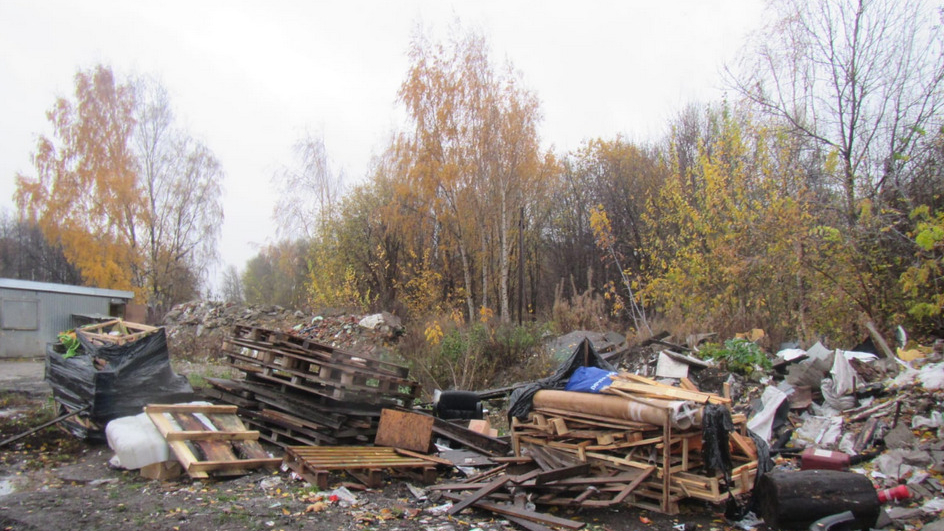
(439,510)
(900,492)
(418,493)
(748,522)
(270,482)
(342,496)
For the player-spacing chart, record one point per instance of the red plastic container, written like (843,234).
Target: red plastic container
(817,459)
(900,492)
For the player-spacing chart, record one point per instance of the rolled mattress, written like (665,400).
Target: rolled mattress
(683,415)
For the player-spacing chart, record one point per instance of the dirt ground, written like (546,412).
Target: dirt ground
(51,480)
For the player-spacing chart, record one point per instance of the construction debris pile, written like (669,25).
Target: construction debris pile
(300,391)
(643,432)
(871,412)
(197,328)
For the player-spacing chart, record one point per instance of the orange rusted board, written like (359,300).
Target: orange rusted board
(402,429)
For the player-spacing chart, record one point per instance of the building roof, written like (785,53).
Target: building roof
(29,285)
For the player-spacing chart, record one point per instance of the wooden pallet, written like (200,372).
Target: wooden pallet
(114,332)
(209,439)
(366,463)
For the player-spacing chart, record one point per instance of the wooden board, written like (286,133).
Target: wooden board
(668,392)
(209,439)
(472,439)
(403,429)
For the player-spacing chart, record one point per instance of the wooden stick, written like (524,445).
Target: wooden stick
(430,458)
(44,425)
(478,495)
(508,510)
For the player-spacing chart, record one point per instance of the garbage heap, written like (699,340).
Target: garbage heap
(875,415)
(642,442)
(299,391)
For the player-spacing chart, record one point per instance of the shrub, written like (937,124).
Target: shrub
(448,353)
(737,355)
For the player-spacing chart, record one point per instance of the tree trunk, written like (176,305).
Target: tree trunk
(467,278)
(484,264)
(505,262)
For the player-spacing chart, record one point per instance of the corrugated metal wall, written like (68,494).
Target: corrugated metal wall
(54,314)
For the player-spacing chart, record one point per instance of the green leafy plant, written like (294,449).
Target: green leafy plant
(737,355)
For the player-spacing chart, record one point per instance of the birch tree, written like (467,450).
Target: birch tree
(134,201)
(861,79)
(474,152)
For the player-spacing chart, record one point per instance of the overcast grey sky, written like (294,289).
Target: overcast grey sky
(249,78)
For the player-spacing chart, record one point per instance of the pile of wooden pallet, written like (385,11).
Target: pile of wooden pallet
(652,463)
(303,364)
(300,392)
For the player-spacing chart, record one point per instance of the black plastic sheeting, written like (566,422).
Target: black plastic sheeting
(134,375)
(716,425)
(716,452)
(584,355)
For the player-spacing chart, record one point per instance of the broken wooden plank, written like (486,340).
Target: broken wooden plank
(425,457)
(527,524)
(561,473)
(745,444)
(656,390)
(532,516)
(478,495)
(472,439)
(44,425)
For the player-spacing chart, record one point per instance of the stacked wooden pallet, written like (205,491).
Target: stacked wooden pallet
(289,417)
(300,392)
(299,363)
(652,463)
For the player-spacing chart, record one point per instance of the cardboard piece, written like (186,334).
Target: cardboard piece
(671,368)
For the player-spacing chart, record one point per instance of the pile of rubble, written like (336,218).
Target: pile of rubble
(196,329)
